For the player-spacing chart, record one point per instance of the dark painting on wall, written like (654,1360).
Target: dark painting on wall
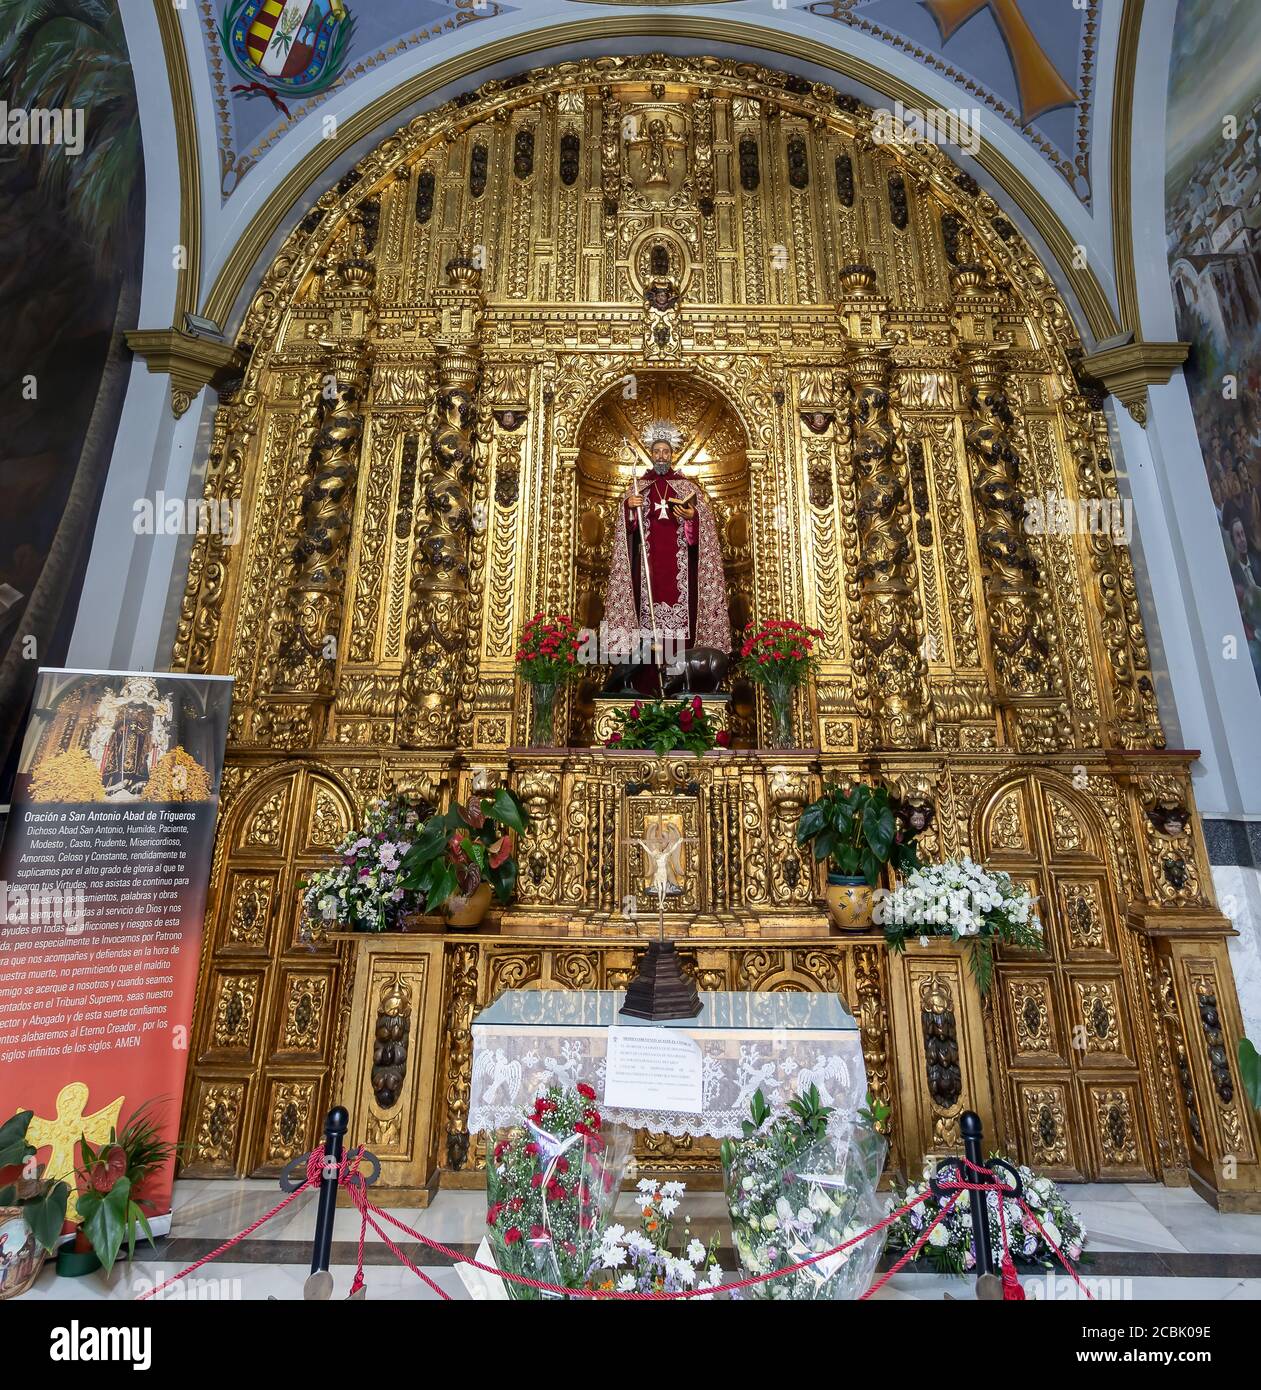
(1213,224)
(71,240)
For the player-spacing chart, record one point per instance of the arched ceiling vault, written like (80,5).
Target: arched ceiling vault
(1052,173)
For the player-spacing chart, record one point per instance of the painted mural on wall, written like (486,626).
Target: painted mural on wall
(272,62)
(71,242)
(1213,224)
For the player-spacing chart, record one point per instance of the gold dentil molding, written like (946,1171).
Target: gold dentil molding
(189,361)
(1127,371)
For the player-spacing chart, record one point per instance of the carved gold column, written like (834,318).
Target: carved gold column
(308,631)
(1024,672)
(438,626)
(890,624)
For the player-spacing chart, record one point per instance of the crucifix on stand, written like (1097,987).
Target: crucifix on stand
(660,990)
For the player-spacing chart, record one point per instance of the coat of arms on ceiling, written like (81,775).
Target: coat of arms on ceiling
(293,48)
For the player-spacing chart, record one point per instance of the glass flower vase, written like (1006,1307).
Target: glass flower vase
(543,721)
(780,694)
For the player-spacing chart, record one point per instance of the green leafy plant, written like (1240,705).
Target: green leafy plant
(42,1201)
(667,726)
(875,1114)
(1250,1072)
(855,827)
(110,1213)
(464,846)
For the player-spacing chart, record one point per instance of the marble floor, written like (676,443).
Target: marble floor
(1146,1242)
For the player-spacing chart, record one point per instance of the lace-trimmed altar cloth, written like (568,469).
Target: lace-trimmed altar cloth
(779,1043)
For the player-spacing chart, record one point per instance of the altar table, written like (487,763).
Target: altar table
(778,1042)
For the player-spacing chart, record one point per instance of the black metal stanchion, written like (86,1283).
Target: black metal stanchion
(989,1283)
(970,1130)
(334,1139)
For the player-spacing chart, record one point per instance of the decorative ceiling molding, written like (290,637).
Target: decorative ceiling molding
(1126,70)
(287,194)
(189,361)
(1127,371)
(188,285)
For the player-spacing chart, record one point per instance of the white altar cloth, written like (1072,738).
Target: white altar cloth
(779,1043)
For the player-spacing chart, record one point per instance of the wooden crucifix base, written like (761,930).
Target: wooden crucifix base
(661,991)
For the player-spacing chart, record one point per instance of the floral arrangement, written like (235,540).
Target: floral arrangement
(365,892)
(551,1183)
(798,1185)
(667,726)
(457,851)
(779,651)
(951,1249)
(641,1261)
(68,776)
(178,776)
(856,828)
(966,902)
(42,1201)
(547,653)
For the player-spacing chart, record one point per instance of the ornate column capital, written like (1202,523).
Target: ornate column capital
(1129,369)
(191,361)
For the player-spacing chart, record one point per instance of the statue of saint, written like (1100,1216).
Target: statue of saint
(666,580)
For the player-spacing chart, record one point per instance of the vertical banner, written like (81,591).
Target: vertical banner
(104,871)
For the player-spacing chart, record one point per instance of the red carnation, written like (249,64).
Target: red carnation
(515,1204)
(633,712)
(531,1147)
(722,738)
(562,1165)
(585,1091)
(492,1213)
(697,706)
(536,1181)
(613,738)
(538,1233)
(512,1235)
(592,1117)
(685,719)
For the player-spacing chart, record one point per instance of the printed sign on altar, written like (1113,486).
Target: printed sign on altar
(103,878)
(653,1069)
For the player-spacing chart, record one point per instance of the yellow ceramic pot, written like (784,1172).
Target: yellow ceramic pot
(849,902)
(468,912)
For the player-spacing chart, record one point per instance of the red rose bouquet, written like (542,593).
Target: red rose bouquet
(552,1183)
(779,654)
(667,726)
(547,659)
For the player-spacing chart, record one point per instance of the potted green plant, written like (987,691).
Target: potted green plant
(667,726)
(854,828)
(110,1212)
(464,854)
(32,1208)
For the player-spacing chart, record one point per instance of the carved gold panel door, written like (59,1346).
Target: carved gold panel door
(268,1006)
(1074,1099)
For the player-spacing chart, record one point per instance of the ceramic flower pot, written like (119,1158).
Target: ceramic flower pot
(849,901)
(23,1258)
(468,912)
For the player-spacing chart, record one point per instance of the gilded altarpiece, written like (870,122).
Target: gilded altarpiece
(451,359)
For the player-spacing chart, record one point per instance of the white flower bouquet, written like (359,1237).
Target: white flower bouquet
(965,902)
(951,1249)
(798,1186)
(642,1262)
(362,891)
